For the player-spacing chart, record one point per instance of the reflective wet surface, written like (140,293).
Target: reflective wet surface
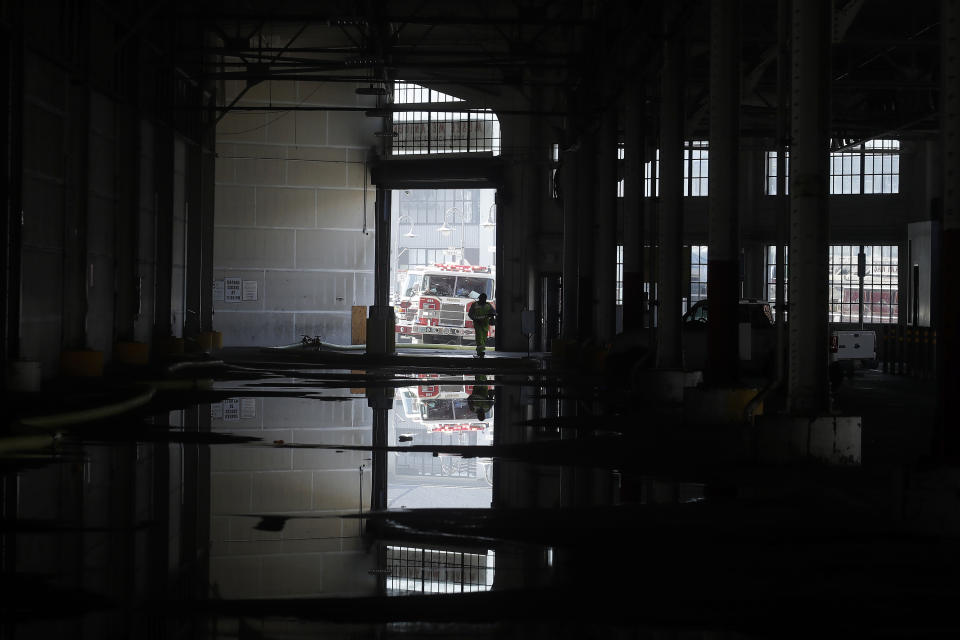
(295,502)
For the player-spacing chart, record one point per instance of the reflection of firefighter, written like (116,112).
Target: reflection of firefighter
(481,398)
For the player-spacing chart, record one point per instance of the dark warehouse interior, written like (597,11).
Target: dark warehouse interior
(382,319)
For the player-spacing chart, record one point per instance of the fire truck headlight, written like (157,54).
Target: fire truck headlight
(428,314)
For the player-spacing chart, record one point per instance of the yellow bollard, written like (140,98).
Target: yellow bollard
(83,363)
(131,353)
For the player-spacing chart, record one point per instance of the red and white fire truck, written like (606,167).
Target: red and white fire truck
(434,300)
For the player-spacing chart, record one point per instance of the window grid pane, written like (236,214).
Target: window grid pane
(695,163)
(874,164)
(423,570)
(698,273)
(619,282)
(438,132)
(880,302)
(844,284)
(771,275)
(881,172)
(651,177)
(881,284)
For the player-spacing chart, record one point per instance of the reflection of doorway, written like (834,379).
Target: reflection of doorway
(443,415)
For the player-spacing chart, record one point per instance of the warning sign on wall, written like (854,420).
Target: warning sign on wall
(232,289)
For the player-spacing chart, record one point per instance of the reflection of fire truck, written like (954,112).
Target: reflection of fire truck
(445,408)
(438,413)
(434,301)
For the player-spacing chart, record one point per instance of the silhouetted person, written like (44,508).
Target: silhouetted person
(482,313)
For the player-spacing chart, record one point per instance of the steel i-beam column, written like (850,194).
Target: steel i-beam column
(378,464)
(808,390)
(782,204)
(948,331)
(605,230)
(586,200)
(633,206)
(669,347)
(569,169)
(380,324)
(724,170)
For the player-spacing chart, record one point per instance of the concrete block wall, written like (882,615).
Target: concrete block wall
(93,191)
(310,556)
(292,198)
(146,256)
(45,123)
(101,212)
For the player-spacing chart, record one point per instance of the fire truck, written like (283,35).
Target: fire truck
(434,300)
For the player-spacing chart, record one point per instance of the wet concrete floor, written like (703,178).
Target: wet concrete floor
(450,498)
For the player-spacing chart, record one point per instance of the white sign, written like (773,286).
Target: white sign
(232,289)
(248,408)
(249,290)
(231,409)
(218,290)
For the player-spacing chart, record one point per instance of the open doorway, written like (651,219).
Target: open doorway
(443,257)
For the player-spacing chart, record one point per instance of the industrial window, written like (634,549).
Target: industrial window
(770,170)
(869,168)
(879,302)
(881,166)
(698,273)
(620,182)
(426,131)
(695,161)
(845,172)
(651,177)
(619,274)
(554,163)
(421,570)
(695,176)
(771,274)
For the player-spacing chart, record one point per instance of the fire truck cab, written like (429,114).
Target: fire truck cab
(433,302)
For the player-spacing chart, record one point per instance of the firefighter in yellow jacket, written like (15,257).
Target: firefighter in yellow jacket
(482,313)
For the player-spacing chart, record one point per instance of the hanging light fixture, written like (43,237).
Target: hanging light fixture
(489,222)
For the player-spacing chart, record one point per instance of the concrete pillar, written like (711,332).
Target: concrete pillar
(753,257)
(379,475)
(207,170)
(125,236)
(808,390)
(604,221)
(634,144)
(163,183)
(381,322)
(586,199)
(669,348)
(195,286)
(569,168)
(11,185)
(723,267)
(948,332)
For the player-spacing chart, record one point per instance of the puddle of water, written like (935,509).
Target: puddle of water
(258,494)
